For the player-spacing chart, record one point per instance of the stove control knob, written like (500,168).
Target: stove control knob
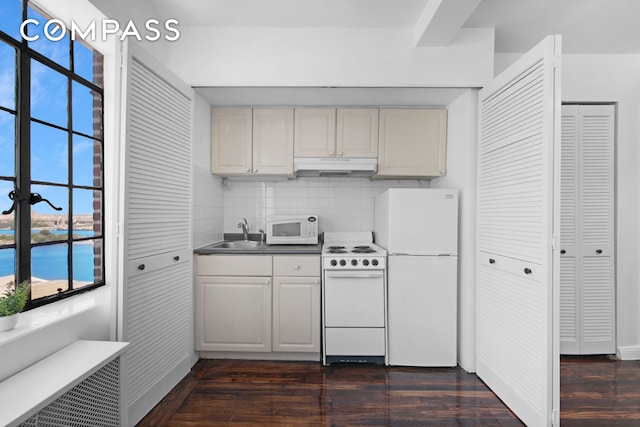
(374,262)
(343,262)
(334,262)
(354,262)
(365,262)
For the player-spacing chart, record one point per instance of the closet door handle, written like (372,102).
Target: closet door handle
(141,267)
(527,271)
(492,261)
(598,251)
(562,251)
(176,258)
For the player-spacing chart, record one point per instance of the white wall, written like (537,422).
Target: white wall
(208,197)
(461,175)
(326,57)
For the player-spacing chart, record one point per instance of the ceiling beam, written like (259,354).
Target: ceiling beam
(440,21)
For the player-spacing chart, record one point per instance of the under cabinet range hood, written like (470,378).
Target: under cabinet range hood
(327,166)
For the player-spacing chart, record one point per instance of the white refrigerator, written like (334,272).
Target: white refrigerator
(419,229)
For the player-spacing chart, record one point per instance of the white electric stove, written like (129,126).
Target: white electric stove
(354,299)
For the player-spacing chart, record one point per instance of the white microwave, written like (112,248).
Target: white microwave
(292,230)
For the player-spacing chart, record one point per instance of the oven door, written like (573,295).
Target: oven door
(354,298)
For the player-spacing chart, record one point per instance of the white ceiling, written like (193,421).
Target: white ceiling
(587,26)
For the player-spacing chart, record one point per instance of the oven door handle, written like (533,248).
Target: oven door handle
(356,275)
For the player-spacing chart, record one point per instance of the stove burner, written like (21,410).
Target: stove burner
(336,251)
(336,247)
(363,250)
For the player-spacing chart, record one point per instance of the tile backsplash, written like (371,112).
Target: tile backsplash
(342,204)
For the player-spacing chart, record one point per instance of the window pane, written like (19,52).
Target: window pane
(49,154)
(87,111)
(87,161)
(7,75)
(47,42)
(7,224)
(48,95)
(7,267)
(85,256)
(11,17)
(87,210)
(87,62)
(47,224)
(50,271)
(7,147)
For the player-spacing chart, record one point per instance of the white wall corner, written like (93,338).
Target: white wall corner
(441,20)
(628,352)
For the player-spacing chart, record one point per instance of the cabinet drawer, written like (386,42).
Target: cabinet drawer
(355,341)
(296,265)
(233,265)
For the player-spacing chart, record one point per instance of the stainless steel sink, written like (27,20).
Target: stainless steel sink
(237,244)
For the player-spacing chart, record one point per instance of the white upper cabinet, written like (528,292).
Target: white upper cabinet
(231,140)
(248,141)
(357,132)
(315,132)
(412,143)
(341,132)
(273,141)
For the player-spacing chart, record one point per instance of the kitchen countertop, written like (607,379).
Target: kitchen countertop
(261,249)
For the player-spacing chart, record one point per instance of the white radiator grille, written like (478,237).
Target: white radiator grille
(93,402)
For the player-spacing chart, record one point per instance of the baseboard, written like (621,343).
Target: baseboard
(145,403)
(628,352)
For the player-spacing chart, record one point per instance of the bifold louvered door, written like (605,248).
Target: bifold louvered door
(587,273)
(519,124)
(156,299)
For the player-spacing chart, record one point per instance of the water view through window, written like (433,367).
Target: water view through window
(51,159)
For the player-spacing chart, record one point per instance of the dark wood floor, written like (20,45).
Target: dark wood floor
(595,391)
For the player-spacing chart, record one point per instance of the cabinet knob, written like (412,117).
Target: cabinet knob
(176,258)
(266,282)
(340,154)
(247,170)
(316,282)
(562,251)
(492,261)
(296,267)
(141,267)
(527,271)
(255,171)
(331,153)
(598,251)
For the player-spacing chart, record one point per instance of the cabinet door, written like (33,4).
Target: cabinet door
(296,314)
(231,140)
(357,132)
(315,132)
(233,313)
(412,143)
(273,141)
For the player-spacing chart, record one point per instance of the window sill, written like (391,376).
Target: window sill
(42,317)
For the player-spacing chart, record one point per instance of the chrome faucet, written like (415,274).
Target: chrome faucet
(245,228)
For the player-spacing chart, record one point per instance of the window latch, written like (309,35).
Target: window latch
(37,198)
(33,199)
(12,195)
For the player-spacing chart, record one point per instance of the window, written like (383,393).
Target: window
(51,159)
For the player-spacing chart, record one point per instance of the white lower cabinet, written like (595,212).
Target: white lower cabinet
(275,314)
(234,313)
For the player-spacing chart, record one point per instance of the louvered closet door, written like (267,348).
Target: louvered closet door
(516,324)
(157,291)
(587,230)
